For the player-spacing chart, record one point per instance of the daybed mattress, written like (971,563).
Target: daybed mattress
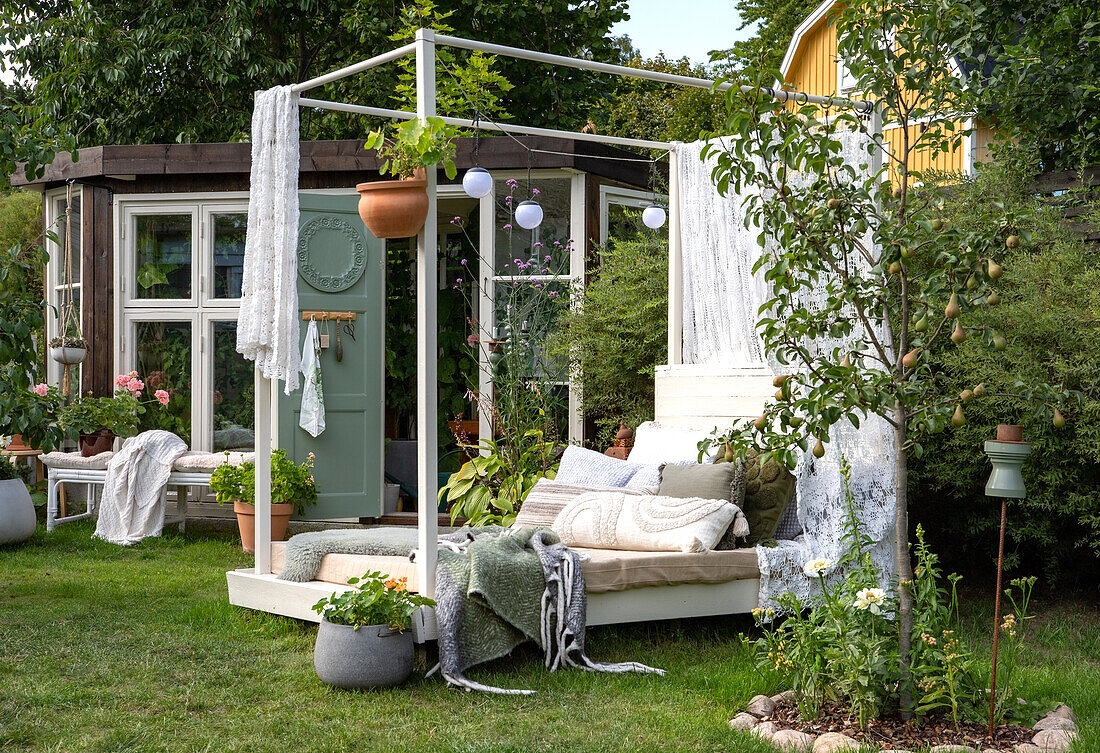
(605,570)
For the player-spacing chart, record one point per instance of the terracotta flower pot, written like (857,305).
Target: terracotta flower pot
(96,442)
(16,444)
(246,522)
(394,208)
(1010,433)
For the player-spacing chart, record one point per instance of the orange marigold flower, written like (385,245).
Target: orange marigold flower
(391,583)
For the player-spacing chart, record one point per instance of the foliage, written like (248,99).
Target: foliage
(892,279)
(8,471)
(120,414)
(617,335)
(21,320)
(776,21)
(291,483)
(107,72)
(490,488)
(1052,308)
(377,599)
(413,145)
(1036,64)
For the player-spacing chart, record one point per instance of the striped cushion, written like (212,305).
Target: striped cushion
(548,497)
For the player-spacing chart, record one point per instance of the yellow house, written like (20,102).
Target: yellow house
(811,65)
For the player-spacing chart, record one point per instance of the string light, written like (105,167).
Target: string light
(477,182)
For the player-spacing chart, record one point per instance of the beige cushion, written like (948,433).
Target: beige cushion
(548,497)
(76,461)
(614,520)
(198,462)
(605,570)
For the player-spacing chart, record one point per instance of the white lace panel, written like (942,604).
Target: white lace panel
(721,300)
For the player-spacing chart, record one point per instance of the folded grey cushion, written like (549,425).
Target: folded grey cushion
(724,481)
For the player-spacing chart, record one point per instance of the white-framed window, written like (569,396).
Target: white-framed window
(60,278)
(179,264)
(620,210)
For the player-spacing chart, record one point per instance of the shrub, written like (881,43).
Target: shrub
(1051,306)
(619,333)
(377,600)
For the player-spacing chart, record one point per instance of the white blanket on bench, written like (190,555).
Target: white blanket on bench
(133,493)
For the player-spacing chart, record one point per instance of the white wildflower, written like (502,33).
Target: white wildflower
(870,598)
(817,568)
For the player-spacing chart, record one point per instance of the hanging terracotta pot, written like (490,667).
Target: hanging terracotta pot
(394,208)
(96,442)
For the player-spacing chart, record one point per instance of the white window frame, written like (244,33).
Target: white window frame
(53,219)
(622,196)
(128,267)
(206,238)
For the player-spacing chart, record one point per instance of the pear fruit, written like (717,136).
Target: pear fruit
(833,203)
(780,394)
(761,422)
(958,418)
(971,282)
(993,299)
(911,359)
(795,421)
(1012,241)
(894,268)
(979,391)
(728,455)
(922,324)
(819,449)
(959,335)
(994,270)
(966,395)
(780,380)
(906,252)
(937,225)
(1059,419)
(953,310)
(846,362)
(999,342)
(897,192)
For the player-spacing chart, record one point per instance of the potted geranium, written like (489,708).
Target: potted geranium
(98,420)
(398,208)
(363,641)
(293,490)
(17,519)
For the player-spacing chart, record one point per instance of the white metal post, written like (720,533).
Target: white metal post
(486,317)
(675,265)
(264,418)
(427,387)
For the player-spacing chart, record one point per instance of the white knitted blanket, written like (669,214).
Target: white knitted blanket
(133,504)
(267,326)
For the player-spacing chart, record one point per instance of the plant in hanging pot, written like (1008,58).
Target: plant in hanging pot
(293,490)
(398,208)
(98,420)
(363,641)
(68,350)
(17,519)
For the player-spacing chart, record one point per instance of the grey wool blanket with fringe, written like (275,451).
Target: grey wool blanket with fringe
(495,589)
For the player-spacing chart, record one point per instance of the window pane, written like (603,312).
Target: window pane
(73,228)
(164,362)
(233,389)
(163,263)
(531,247)
(229,232)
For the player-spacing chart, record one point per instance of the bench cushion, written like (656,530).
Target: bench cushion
(76,461)
(199,462)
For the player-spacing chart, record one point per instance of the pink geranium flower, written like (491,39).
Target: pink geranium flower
(122,380)
(41,389)
(162,396)
(135,385)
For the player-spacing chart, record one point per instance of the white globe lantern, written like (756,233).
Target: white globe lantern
(653,216)
(529,214)
(477,182)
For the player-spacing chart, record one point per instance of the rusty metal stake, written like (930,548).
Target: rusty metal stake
(997,616)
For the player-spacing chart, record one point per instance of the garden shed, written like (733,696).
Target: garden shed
(157,239)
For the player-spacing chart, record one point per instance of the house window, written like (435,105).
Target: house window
(180,269)
(621,213)
(63,279)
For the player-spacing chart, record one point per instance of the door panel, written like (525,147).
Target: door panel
(341,267)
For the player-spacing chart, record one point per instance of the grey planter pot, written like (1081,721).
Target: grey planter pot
(370,657)
(17,519)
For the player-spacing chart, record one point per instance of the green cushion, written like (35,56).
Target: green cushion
(709,481)
(769,489)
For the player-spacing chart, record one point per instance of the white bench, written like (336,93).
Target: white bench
(192,469)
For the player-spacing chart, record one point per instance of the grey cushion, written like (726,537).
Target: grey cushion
(708,481)
(789,527)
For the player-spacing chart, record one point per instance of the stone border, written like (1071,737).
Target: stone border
(1054,733)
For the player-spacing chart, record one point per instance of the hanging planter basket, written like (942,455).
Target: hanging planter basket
(68,350)
(394,208)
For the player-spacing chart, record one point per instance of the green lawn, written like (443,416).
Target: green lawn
(110,649)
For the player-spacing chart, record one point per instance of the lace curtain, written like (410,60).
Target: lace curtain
(721,299)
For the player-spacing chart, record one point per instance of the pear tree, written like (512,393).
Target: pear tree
(864,239)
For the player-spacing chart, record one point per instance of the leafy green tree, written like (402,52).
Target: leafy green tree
(889,279)
(776,21)
(1037,66)
(185,70)
(618,334)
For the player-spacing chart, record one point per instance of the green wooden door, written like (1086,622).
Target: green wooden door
(341,267)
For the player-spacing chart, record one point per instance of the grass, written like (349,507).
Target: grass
(104,648)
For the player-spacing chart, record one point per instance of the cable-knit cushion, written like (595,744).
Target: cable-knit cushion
(76,461)
(207,462)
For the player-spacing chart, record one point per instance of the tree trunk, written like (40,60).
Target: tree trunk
(905,566)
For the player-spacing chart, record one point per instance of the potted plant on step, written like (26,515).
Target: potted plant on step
(363,641)
(98,420)
(398,208)
(293,490)
(17,519)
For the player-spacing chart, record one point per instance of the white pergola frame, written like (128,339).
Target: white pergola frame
(424,48)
